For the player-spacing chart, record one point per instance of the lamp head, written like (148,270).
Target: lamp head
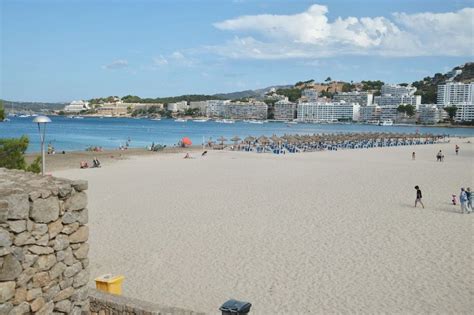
(42,120)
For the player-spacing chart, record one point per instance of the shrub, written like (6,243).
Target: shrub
(12,155)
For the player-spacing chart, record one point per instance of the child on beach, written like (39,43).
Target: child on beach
(413,156)
(453,200)
(463,201)
(457,149)
(418,196)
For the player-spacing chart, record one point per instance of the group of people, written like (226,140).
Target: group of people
(465,199)
(95,163)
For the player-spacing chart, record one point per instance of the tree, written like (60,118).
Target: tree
(348,87)
(451,110)
(328,79)
(292,94)
(12,155)
(407,109)
(2,112)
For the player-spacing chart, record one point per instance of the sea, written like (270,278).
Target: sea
(71,134)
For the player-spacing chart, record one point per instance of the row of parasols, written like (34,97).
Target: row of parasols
(298,143)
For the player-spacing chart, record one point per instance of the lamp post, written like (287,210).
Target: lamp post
(42,120)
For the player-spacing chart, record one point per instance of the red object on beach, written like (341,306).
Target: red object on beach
(186,141)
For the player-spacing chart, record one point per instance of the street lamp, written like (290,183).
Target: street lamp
(42,120)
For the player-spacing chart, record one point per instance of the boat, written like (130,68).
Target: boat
(78,117)
(253,121)
(386,122)
(180,120)
(24,116)
(200,120)
(225,121)
(292,122)
(6,119)
(157,119)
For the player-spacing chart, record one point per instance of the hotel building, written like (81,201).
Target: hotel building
(453,93)
(76,107)
(361,98)
(284,110)
(327,112)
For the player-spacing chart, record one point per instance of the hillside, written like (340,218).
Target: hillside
(31,106)
(428,86)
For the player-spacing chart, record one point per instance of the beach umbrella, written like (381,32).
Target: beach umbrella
(275,139)
(222,140)
(249,139)
(262,139)
(235,139)
(186,141)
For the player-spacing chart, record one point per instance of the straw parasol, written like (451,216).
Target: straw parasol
(249,139)
(222,140)
(235,139)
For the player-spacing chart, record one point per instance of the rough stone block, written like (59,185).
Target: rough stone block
(40,250)
(3,211)
(57,270)
(5,238)
(45,210)
(11,268)
(82,252)
(20,296)
(47,309)
(63,306)
(25,276)
(55,228)
(39,229)
(61,242)
(64,190)
(37,304)
(70,228)
(80,185)
(7,291)
(81,235)
(41,279)
(17,226)
(72,270)
(5,308)
(77,201)
(18,204)
(23,308)
(81,279)
(33,294)
(24,238)
(45,262)
(64,294)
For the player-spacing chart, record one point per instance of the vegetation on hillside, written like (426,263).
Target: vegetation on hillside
(410,110)
(12,155)
(293,94)
(373,86)
(2,112)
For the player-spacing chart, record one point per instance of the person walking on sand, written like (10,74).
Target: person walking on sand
(457,149)
(463,201)
(469,199)
(418,197)
(413,156)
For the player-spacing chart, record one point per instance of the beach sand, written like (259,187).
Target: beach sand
(323,232)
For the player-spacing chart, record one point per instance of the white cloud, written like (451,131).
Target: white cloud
(160,61)
(310,34)
(176,58)
(116,64)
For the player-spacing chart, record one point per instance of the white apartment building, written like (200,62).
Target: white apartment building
(284,110)
(310,95)
(431,114)
(369,113)
(361,98)
(76,106)
(395,89)
(389,112)
(216,108)
(465,112)
(177,107)
(395,100)
(327,112)
(453,93)
(246,110)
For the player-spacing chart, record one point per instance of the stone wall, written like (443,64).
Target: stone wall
(43,249)
(107,304)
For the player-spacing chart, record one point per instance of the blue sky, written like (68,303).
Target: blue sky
(65,50)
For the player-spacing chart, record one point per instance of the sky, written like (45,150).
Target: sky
(58,51)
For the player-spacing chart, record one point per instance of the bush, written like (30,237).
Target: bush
(12,155)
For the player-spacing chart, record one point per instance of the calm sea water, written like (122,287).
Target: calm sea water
(77,134)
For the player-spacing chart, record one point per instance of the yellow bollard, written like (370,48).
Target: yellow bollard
(109,284)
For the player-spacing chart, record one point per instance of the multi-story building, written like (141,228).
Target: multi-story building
(395,89)
(76,107)
(284,110)
(114,109)
(246,110)
(361,98)
(369,113)
(216,108)
(431,114)
(465,112)
(327,112)
(310,95)
(453,93)
(177,107)
(395,100)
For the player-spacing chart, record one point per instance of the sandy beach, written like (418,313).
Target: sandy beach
(313,233)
